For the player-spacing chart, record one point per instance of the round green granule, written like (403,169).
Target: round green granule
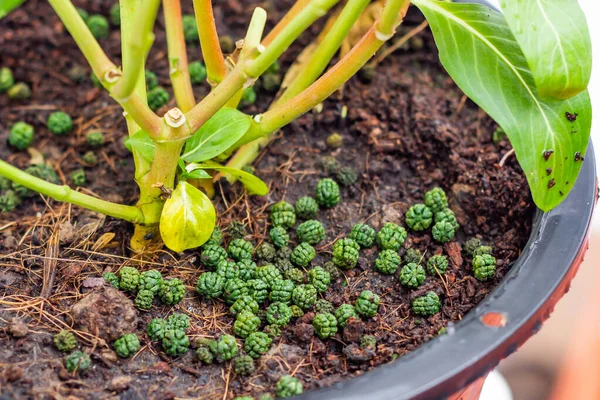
(283,253)
(143,300)
(237,230)
(151,79)
(150,280)
(484,267)
(42,171)
(274,331)
(19,91)
(94,139)
(266,252)
(329,164)
(175,342)
(258,289)
(436,200)
(311,232)
(244,303)
(412,275)
(210,285)
(304,296)
(306,207)
(319,278)
(447,215)
(245,323)
(413,256)
(345,253)
(269,274)
(279,237)
(171,291)
(363,234)
(481,250)
(327,193)
(471,245)
(344,313)
(157,98)
(367,304)
(334,271)
(248,96)
(190,29)
(288,386)
(7,79)
(228,269)
(243,365)
(442,232)
(89,158)
(303,254)
(65,340)
(129,279)
(240,249)
(294,274)
(426,305)
(225,348)
(283,214)
(204,355)
(296,311)
(98,25)
(178,321)
(127,345)
(387,262)
(78,361)
(211,255)
(60,123)
(281,291)
(216,237)
(78,177)
(112,279)
(279,314)
(323,306)
(115,14)
(347,176)
(20,135)
(391,237)
(325,325)
(234,289)
(437,264)
(244,398)
(197,72)
(418,217)
(156,329)
(368,342)
(257,343)
(284,265)
(270,82)
(9,200)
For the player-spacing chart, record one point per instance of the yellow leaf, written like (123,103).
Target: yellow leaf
(188,218)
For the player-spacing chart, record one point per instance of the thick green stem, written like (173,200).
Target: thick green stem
(137,47)
(66,194)
(178,62)
(209,41)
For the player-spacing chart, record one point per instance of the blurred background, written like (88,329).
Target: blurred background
(562,362)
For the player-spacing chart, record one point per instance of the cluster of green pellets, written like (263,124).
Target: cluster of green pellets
(13,89)
(483,262)
(171,332)
(146,286)
(76,361)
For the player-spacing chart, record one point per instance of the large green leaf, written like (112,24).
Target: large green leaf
(7,6)
(554,37)
(253,184)
(143,143)
(218,134)
(480,53)
(188,218)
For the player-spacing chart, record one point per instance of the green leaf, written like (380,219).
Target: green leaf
(480,53)
(198,174)
(218,134)
(253,184)
(188,218)
(7,6)
(554,36)
(142,143)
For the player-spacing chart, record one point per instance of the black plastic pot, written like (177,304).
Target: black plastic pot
(502,322)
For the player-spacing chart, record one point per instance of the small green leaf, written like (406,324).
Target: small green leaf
(198,174)
(7,6)
(554,37)
(218,134)
(480,53)
(188,218)
(253,184)
(142,143)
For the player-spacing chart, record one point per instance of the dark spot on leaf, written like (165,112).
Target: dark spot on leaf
(551,183)
(548,170)
(571,117)
(547,154)
(574,131)
(561,193)
(578,156)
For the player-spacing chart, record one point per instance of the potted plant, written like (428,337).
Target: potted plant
(534,89)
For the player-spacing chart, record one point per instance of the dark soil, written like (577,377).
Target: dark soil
(406,132)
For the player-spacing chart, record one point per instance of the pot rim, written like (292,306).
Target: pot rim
(519,305)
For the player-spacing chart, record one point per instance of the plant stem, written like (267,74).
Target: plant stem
(289,16)
(282,114)
(178,62)
(66,194)
(137,47)
(209,42)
